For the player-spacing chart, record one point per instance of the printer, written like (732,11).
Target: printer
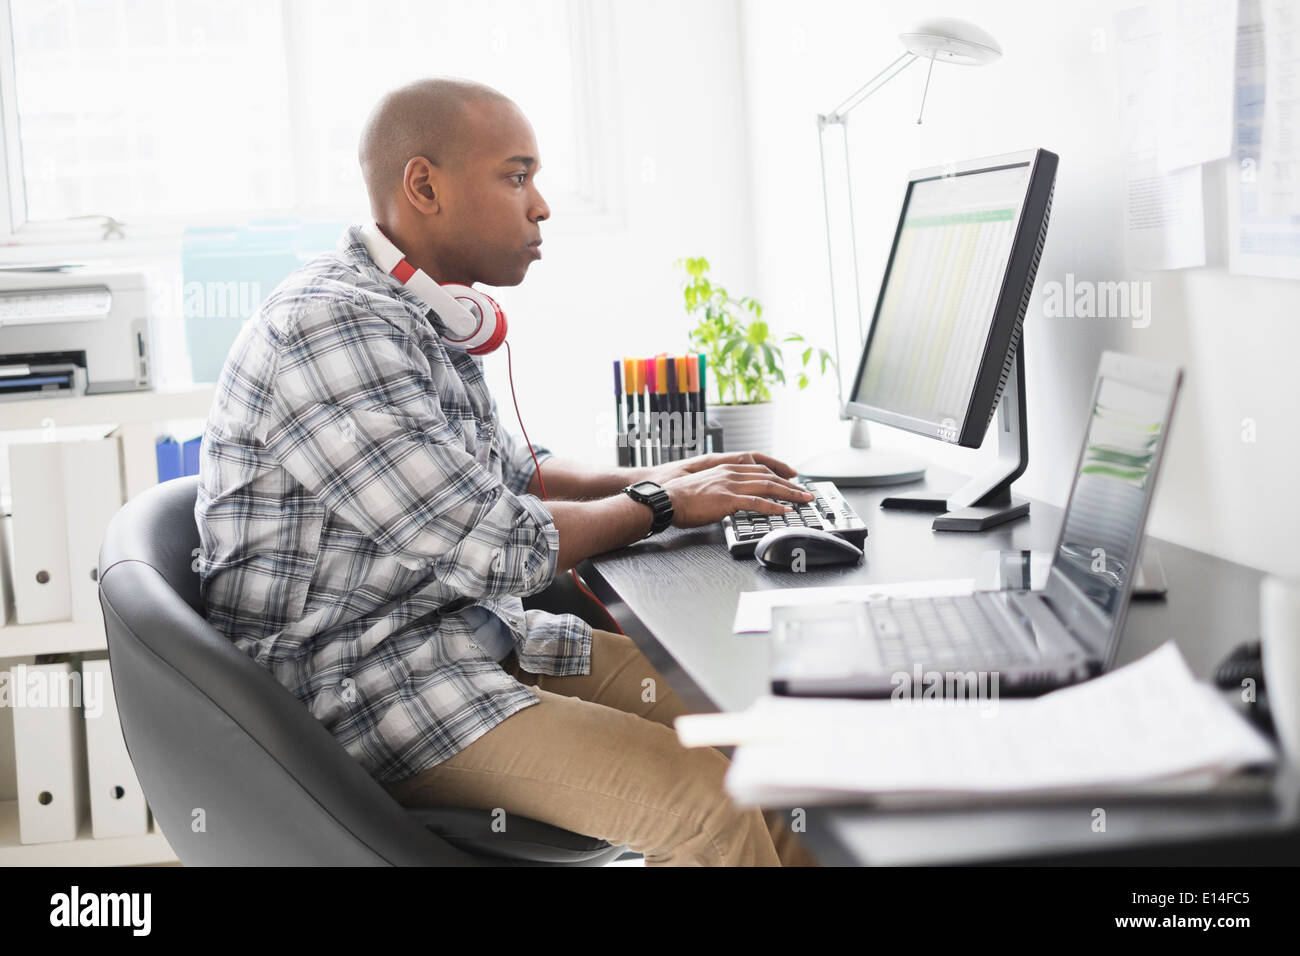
(73,333)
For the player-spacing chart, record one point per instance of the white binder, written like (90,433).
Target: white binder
(92,492)
(6,574)
(49,751)
(40,534)
(117,806)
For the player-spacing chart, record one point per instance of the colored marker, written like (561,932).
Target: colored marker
(675,411)
(633,426)
(693,403)
(644,440)
(618,413)
(629,395)
(704,402)
(682,407)
(661,387)
(652,389)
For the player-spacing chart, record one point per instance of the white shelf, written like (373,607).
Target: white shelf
(135,412)
(119,407)
(83,851)
(56,637)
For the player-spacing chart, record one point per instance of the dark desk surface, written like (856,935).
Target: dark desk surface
(676,596)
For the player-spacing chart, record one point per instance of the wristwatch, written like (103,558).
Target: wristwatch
(652,494)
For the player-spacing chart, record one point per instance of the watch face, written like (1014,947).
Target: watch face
(645,487)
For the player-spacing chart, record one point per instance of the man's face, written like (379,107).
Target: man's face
(490,208)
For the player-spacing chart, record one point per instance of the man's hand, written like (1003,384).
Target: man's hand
(662,474)
(703,489)
(705,495)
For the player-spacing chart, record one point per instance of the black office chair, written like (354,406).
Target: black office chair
(236,770)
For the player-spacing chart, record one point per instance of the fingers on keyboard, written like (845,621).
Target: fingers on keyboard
(765,506)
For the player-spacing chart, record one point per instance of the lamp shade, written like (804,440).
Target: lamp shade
(951,40)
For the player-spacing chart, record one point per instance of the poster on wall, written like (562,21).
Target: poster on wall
(1164,212)
(1263,185)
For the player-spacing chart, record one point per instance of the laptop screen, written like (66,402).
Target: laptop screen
(1101,538)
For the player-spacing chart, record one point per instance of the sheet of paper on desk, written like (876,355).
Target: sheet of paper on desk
(754,609)
(1147,726)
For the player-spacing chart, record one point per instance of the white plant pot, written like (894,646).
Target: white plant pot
(746,427)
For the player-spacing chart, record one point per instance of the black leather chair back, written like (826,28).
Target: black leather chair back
(235,769)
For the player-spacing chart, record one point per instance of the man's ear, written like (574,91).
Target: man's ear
(422,185)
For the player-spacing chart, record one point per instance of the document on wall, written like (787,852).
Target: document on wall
(1148,727)
(1279,164)
(1196,45)
(1263,238)
(1164,211)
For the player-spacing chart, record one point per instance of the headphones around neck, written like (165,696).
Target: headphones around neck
(475,322)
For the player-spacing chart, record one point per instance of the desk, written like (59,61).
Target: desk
(675,595)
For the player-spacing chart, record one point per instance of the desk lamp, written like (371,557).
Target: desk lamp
(943,38)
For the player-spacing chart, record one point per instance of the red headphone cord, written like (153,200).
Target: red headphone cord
(573,573)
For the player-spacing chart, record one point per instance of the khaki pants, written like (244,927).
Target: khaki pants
(599,756)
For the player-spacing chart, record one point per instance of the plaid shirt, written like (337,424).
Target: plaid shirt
(356,496)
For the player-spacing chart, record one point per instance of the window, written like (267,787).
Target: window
(151,111)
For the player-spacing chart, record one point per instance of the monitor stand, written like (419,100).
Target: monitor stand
(986,500)
(1029,570)
(860,465)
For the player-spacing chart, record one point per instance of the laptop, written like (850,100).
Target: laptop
(1017,642)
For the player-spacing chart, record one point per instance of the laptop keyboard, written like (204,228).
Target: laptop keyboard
(938,631)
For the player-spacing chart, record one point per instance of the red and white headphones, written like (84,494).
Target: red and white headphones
(475,322)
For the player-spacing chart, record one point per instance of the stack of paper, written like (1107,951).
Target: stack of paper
(1148,726)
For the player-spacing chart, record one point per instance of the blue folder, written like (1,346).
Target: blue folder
(169,459)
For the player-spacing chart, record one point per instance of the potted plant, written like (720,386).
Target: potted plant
(745,359)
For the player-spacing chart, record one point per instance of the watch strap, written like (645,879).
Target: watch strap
(658,501)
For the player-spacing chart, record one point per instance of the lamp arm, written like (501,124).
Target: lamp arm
(851,101)
(839,117)
(830,263)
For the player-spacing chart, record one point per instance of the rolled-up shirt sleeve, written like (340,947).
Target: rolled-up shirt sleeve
(517,466)
(354,418)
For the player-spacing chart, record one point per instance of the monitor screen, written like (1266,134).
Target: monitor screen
(942,291)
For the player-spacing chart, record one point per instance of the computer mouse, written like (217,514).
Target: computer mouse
(786,549)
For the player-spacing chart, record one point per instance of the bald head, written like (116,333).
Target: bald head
(429,118)
(451,169)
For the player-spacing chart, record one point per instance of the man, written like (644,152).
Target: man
(368,527)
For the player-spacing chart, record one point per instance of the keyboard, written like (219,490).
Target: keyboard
(941,631)
(875,648)
(828,511)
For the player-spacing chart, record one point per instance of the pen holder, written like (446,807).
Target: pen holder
(633,446)
(713,437)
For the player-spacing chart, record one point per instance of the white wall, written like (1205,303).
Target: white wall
(1237,338)
(679,126)
(675,129)
(716,154)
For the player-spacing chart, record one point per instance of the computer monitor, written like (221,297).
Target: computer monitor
(953,297)
(943,345)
